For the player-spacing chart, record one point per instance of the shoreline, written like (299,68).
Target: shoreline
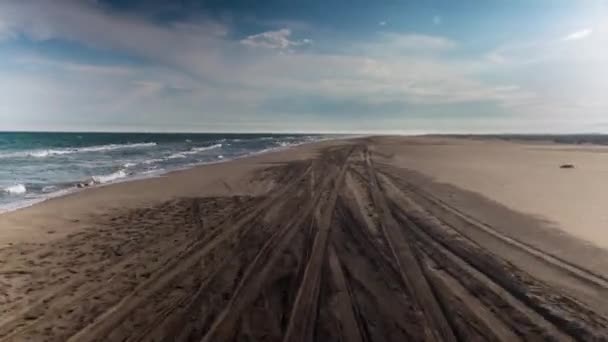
(77,207)
(515,139)
(422,156)
(76,188)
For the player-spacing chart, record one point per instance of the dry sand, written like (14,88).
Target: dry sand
(70,213)
(378,239)
(525,177)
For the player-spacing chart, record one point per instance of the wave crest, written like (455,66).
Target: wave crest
(194,150)
(110,178)
(58,152)
(16,189)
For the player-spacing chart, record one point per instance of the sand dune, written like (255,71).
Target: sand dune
(361,240)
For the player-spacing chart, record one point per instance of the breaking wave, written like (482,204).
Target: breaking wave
(192,151)
(111,177)
(62,151)
(16,189)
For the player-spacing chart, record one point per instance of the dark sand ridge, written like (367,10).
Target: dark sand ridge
(331,242)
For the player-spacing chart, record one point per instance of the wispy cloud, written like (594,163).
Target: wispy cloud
(411,41)
(87,23)
(396,44)
(528,51)
(279,39)
(581,34)
(200,73)
(38,61)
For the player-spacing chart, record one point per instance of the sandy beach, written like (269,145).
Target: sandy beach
(367,239)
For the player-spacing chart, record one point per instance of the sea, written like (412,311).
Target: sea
(38,166)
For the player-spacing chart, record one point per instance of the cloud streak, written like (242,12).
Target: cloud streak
(201,71)
(279,39)
(578,35)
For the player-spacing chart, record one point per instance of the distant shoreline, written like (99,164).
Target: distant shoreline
(84,184)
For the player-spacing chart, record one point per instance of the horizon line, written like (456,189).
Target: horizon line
(413,133)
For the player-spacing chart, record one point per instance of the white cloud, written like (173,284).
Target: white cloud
(191,46)
(403,44)
(382,79)
(279,39)
(568,74)
(591,47)
(197,74)
(382,23)
(581,34)
(38,61)
(411,41)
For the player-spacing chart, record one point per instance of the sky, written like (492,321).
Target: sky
(399,66)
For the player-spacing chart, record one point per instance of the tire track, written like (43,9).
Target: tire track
(253,281)
(471,317)
(257,273)
(384,309)
(515,314)
(115,315)
(348,325)
(574,270)
(56,301)
(564,313)
(437,326)
(303,316)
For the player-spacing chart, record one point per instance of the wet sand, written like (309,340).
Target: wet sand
(364,240)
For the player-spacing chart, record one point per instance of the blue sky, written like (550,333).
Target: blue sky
(284,65)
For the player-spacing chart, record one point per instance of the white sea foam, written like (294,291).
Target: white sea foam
(201,149)
(58,152)
(194,150)
(153,161)
(49,188)
(42,153)
(4,208)
(178,155)
(115,147)
(217,153)
(111,177)
(153,172)
(16,189)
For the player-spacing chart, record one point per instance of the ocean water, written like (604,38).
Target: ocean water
(37,166)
